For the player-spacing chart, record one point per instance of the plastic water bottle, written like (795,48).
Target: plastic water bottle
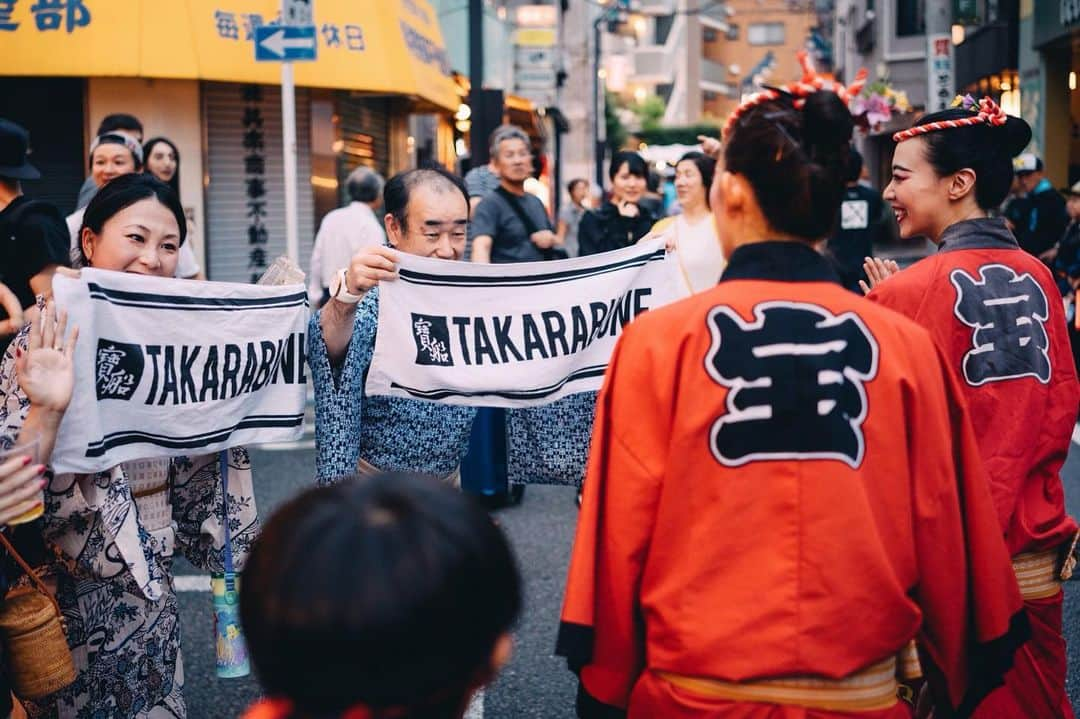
(232,656)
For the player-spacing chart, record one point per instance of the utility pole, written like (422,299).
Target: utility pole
(940,62)
(476,77)
(613,13)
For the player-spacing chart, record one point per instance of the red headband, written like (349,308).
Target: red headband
(988,113)
(810,83)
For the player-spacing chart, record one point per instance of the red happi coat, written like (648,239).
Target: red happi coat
(782,482)
(997,315)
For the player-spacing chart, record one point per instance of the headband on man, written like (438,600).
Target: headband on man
(119,138)
(986,112)
(810,83)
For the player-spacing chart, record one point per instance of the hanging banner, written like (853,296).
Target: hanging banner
(170,367)
(511,335)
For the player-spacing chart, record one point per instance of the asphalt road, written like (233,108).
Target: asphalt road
(535,684)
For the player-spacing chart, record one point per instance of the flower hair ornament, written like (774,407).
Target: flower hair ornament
(807,85)
(984,111)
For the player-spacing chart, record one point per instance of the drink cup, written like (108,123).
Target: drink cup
(22,450)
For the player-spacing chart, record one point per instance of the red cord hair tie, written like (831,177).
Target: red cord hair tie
(807,85)
(988,113)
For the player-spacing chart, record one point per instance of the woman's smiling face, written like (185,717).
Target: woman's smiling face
(918,195)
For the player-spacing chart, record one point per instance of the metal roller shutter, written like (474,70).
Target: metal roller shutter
(364,124)
(228,238)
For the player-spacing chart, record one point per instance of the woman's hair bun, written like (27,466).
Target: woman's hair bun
(1018,135)
(827,128)
(1012,137)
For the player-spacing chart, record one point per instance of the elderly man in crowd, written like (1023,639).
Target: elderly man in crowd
(427,214)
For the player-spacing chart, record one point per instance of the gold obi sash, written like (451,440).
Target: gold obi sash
(870,689)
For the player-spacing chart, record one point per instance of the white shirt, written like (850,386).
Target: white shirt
(186,264)
(698,257)
(342,234)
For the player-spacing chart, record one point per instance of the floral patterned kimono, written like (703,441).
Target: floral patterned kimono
(114,535)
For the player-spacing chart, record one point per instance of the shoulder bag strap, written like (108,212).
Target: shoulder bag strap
(512,200)
(34,578)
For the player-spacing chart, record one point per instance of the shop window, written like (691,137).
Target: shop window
(910,18)
(765,33)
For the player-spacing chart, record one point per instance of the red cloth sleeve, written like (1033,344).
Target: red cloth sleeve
(602,631)
(973,615)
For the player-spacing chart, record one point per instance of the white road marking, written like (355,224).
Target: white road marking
(286,446)
(476,706)
(1076,433)
(192,582)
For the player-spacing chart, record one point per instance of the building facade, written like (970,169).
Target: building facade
(199,85)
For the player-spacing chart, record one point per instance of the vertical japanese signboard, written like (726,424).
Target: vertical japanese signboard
(940,88)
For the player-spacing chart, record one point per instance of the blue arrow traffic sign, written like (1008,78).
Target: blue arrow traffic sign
(276,43)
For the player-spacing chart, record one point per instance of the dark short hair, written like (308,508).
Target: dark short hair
(795,160)
(854,165)
(986,149)
(148,146)
(635,164)
(121,193)
(399,188)
(364,185)
(574,183)
(706,167)
(385,591)
(119,121)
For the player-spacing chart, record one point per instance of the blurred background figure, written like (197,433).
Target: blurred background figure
(345,231)
(162,160)
(653,199)
(1043,219)
(621,220)
(416,590)
(111,155)
(118,122)
(570,215)
(33,239)
(698,255)
(863,221)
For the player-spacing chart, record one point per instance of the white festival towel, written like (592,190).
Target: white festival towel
(510,335)
(170,367)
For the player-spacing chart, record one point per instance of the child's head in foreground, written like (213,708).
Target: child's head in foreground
(385,596)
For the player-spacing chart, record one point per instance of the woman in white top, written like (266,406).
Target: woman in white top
(698,258)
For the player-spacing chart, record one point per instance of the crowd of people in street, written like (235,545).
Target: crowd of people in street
(755,539)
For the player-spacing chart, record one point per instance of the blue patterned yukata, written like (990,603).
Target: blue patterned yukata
(113,535)
(394,434)
(550,444)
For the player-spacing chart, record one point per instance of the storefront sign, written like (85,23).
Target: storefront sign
(255,179)
(941,83)
(170,367)
(510,335)
(48,16)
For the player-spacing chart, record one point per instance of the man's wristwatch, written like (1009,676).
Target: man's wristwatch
(339,289)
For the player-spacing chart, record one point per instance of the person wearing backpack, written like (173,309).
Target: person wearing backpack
(33,236)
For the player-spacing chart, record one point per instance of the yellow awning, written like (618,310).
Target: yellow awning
(377,46)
